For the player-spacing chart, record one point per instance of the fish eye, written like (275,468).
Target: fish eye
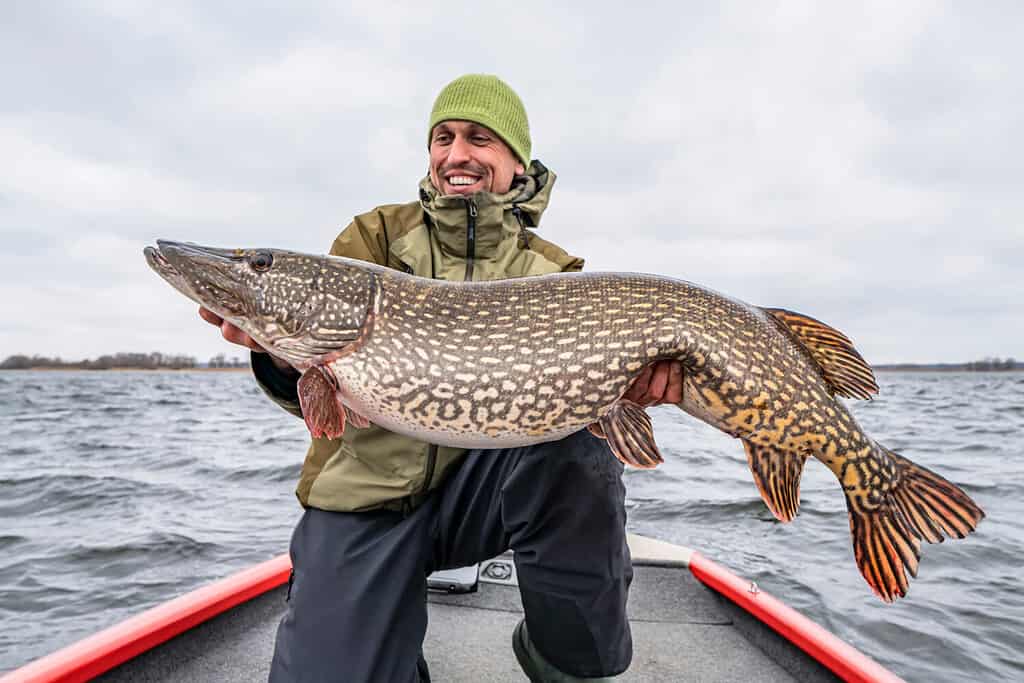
(261,261)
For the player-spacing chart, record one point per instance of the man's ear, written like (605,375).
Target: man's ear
(520,169)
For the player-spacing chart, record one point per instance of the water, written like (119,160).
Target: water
(121,490)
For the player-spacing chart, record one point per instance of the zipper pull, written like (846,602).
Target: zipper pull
(472,207)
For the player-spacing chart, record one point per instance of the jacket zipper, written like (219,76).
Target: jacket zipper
(470,237)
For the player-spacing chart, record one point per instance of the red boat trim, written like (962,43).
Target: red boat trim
(839,657)
(96,654)
(107,649)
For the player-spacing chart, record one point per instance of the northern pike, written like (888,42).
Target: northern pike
(521,361)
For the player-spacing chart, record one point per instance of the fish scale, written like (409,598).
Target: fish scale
(516,362)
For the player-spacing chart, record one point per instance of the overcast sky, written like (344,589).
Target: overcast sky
(859,162)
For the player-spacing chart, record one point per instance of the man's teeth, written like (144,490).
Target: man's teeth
(461,180)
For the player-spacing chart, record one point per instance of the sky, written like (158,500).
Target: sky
(858,162)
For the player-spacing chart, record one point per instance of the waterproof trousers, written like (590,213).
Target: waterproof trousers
(357,606)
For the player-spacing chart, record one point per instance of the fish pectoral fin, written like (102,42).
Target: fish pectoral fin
(627,427)
(595,429)
(322,409)
(777,475)
(355,419)
(845,370)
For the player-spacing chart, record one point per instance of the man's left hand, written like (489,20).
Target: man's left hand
(660,382)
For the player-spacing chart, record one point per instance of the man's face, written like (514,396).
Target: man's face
(466,157)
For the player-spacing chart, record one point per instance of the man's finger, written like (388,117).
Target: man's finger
(659,380)
(209,316)
(674,390)
(236,336)
(638,389)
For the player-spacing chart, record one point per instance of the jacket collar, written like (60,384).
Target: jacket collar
(520,207)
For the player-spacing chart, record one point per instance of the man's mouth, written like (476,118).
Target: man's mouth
(463,182)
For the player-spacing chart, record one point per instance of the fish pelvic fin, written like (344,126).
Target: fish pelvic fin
(355,419)
(888,527)
(630,435)
(777,475)
(322,409)
(844,369)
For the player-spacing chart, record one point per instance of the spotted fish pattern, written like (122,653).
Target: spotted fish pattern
(516,362)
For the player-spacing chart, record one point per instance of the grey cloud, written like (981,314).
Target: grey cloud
(858,162)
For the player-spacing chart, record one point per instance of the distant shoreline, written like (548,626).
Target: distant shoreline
(939,368)
(245,368)
(54,368)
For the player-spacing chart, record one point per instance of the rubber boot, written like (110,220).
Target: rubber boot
(538,669)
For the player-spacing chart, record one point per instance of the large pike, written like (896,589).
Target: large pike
(516,362)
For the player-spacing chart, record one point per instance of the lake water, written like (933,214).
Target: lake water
(121,490)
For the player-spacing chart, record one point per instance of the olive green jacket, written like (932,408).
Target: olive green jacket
(443,237)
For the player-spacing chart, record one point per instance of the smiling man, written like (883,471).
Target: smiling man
(382,510)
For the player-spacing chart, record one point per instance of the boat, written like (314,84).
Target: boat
(692,620)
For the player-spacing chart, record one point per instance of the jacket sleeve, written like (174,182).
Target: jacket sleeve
(574,266)
(364,239)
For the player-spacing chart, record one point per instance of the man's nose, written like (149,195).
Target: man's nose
(460,151)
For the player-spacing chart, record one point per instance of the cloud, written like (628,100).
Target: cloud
(859,162)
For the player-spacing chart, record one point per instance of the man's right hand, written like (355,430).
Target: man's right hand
(236,335)
(232,333)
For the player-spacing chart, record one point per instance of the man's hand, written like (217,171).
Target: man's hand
(230,332)
(660,382)
(236,335)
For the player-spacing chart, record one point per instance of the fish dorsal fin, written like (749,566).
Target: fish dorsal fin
(845,370)
(777,475)
(322,410)
(627,427)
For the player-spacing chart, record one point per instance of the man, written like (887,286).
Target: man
(384,510)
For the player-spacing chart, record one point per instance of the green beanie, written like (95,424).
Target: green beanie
(489,101)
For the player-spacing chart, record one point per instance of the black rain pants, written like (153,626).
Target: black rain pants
(357,607)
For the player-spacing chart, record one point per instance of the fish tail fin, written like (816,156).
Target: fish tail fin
(888,524)
(884,547)
(933,506)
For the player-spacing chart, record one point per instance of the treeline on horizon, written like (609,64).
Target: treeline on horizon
(156,360)
(144,361)
(984,365)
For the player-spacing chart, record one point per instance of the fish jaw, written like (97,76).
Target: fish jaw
(162,267)
(302,308)
(216,278)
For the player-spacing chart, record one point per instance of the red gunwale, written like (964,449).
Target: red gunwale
(105,650)
(839,657)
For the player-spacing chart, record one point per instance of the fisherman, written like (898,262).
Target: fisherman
(382,510)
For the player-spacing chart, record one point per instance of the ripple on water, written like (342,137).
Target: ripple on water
(121,510)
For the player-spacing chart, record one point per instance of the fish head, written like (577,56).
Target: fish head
(303,308)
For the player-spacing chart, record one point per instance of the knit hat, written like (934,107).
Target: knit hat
(489,101)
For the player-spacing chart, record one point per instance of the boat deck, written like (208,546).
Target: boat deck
(682,631)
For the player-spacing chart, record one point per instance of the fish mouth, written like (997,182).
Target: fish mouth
(162,267)
(206,275)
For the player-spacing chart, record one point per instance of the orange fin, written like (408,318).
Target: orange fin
(885,549)
(323,412)
(627,427)
(887,534)
(777,475)
(845,370)
(355,419)
(933,506)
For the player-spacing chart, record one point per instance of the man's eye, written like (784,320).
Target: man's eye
(442,139)
(480,139)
